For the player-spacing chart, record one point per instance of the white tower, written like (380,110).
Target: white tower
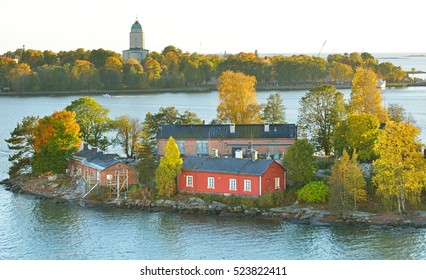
(137,43)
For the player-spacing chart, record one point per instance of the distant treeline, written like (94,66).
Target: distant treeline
(34,70)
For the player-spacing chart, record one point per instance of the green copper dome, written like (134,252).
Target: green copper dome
(136,26)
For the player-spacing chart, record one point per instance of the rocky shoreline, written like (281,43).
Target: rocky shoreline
(61,189)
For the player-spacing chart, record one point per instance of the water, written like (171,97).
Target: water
(36,229)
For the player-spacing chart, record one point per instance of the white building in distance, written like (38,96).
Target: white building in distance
(137,43)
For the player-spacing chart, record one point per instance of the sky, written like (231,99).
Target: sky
(205,26)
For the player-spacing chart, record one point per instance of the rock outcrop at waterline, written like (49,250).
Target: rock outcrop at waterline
(61,188)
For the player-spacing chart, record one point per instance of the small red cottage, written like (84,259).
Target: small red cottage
(99,169)
(231,176)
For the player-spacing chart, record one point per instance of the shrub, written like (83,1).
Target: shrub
(316,191)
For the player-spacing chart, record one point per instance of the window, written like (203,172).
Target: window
(210,182)
(247,185)
(277,183)
(233,184)
(181,146)
(109,177)
(202,148)
(189,181)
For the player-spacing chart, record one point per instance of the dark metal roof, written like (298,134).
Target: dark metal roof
(96,159)
(196,131)
(227,165)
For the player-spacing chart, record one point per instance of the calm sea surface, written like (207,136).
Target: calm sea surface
(36,229)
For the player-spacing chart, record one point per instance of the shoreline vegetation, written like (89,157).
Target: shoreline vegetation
(200,89)
(64,189)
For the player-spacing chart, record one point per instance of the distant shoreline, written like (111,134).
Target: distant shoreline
(174,90)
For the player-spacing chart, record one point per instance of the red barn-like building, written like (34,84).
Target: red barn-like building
(231,176)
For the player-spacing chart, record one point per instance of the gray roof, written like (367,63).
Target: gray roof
(96,159)
(209,131)
(227,165)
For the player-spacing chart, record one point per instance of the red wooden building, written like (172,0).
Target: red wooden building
(231,176)
(100,169)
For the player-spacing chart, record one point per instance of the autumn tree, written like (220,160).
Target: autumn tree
(347,184)
(21,77)
(237,99)
(21,142)
(366,96)
(299,162)
(397,113)
(320,111)
(358,132)
(274,110)
(400,171)
(129,130)
(93,120)
(84,74)
(168,170)
(341,73)
(56,138)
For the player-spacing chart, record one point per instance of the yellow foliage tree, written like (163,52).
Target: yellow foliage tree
(400,171)
(237,99)
(347,182)
(366,96)
(168,170)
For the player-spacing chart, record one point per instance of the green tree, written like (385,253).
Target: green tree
(397,113)
(129,132)
(168,170)
(400,171)
(314,192)
(237,99)
(93,120)
(299,162)
(274,111)
(347,184)
(320,111)
(357,133)
(21,141)
(56,138)
(365,95)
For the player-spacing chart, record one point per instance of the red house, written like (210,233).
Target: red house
(231,176)
(100,169)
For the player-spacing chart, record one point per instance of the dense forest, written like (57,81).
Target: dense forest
(35,70)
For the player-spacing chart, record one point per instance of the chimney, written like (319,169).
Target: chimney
(238,154)
(94,150)
(85,146)
(266,126)
(214,153)
(232,128)
(254,155)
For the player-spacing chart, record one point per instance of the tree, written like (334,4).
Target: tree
(56,138)
(357,133)
(129,132)
(82,72)
(320,111)
(397,113)
(365,95)
(299,162)
(341,72)
(400,171)
(347,183)
(93,120)
(168,170)
(20,77)
(237,99)
(274,111)
(22,142)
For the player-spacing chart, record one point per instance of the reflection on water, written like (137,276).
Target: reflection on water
(39,229)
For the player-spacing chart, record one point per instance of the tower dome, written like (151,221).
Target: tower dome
(136,26)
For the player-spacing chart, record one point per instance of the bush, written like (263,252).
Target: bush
(316,191)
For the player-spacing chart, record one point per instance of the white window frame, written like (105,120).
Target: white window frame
(232,184)
(277,183)
(189,181)
(247,185)
(210,182)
